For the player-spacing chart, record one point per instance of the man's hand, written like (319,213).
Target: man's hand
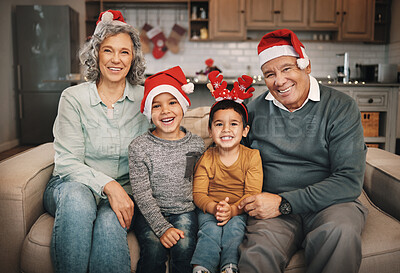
(120,203)
(224,212)
(171,237)
(262,206)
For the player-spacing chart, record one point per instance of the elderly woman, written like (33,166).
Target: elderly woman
(89,192)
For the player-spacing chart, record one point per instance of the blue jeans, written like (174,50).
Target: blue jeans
(86,236)
(218,245)
(153,254)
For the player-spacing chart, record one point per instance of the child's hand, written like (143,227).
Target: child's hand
(224,212)
(171,237)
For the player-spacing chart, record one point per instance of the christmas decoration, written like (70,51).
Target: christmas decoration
(157,37)
(174,38)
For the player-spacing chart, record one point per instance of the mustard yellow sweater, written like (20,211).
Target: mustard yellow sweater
(213,181)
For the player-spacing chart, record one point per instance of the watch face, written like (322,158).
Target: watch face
(285,208)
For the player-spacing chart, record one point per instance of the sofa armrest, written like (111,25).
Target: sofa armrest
(22,182)
(382,180)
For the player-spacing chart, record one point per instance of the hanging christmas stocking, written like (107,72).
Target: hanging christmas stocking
(175,37)
(157,37)
(144,40)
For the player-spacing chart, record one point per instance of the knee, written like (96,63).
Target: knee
(77,199)
(343,230)
(236,224)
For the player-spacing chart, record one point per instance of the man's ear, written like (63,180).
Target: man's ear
(209,132)
(246,131)
(308,68)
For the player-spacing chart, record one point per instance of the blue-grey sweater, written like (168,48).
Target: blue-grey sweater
(314,157)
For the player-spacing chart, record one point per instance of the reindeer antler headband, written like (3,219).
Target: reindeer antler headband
(241,89)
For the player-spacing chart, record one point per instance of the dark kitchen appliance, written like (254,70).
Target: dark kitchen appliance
(46,41)
(367,72)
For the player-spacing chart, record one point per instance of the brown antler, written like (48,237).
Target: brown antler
(218,84)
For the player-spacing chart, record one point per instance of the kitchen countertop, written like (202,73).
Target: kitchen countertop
(260,81)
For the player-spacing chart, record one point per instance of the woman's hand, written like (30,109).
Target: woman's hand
(224,212)
(171,237)
(120,203)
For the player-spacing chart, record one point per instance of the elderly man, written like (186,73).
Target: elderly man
(312,147)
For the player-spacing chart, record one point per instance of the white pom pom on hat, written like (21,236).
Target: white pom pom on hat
(282,42)
(109,17)
(171,81)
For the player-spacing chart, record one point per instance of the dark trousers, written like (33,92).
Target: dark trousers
(331,239)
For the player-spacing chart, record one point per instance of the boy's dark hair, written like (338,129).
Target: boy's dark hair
(240,108)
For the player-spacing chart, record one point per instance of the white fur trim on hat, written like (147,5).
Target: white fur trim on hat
(164,88)
(282,50)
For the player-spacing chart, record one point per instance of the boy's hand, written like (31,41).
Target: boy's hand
(171,237)
(224,212)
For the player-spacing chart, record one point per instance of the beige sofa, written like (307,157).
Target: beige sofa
(25,228)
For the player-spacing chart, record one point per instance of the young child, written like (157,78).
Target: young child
(225,174)
(161,165)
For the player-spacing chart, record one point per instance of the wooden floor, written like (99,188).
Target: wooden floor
(14,151)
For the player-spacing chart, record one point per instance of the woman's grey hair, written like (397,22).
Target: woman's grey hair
(89,53)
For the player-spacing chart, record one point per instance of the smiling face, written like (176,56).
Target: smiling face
(227,129)
(287,83)
(166,115)
(115,58)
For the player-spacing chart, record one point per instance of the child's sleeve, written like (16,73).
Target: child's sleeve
(139,174)
(201,181)
(254,176)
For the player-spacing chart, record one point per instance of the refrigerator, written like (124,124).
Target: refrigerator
(46,42)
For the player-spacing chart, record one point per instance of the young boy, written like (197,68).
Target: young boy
(161,164)
(225,174)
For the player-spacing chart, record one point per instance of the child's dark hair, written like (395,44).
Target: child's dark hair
(240,108)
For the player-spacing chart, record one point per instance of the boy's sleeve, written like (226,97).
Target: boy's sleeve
(139,173)
(200,183)
(254,175)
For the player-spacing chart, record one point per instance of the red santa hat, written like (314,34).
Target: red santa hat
(109,17)
(282,42)
(171,81)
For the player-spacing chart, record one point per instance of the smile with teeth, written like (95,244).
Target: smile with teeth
(167,120)
(226,138)
(286,90)
(115,69)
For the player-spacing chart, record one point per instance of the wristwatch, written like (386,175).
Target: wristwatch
(285,207)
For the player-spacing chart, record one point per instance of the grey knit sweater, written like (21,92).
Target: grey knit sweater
(161,175)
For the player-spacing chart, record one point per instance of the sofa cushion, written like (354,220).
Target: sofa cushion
(35,256)
(382,176)
(196,121)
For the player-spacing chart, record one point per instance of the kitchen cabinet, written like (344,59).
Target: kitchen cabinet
(383,100)
(382,21)
(324,14)
(357,20)
(198,20)
(271,14)
(227,20)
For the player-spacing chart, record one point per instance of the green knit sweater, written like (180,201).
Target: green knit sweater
(314,157)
